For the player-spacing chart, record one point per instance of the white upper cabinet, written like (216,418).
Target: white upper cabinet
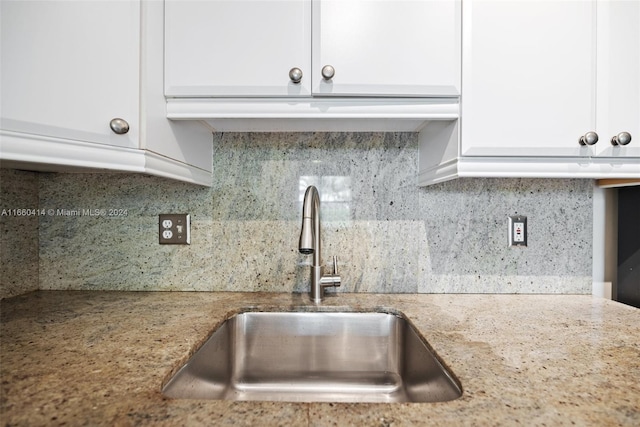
(537,76)
(69,68)
(237,47)
(386,48)
(260,48)
(62,77)
(618,81)
(529,71)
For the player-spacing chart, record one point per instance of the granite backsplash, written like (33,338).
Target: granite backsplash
(389,234)
(18,233)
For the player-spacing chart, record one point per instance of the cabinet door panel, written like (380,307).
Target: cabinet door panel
(68,68)
(387,48)
(618,76)
(237,47)
(528,77)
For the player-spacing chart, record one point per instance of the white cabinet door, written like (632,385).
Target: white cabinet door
(246,48)
(237,47)
(68,68)
(387,48)
(618,76)
(528,77)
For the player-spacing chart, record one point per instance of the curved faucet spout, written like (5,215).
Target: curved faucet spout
(310,244)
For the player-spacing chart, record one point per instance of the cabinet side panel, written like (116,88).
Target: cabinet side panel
(188,142)
(438,152)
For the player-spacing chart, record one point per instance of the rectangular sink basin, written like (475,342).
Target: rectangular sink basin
(315,357)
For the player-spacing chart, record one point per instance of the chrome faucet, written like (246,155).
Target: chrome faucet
(310,244)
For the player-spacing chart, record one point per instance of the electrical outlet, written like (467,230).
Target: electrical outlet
(517,230)
(175,229)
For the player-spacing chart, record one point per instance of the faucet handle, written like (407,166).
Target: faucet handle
(331,279)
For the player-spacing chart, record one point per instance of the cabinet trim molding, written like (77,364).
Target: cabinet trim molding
(327,114)
(30,148)
(44,153)
(540,167)
(159,165)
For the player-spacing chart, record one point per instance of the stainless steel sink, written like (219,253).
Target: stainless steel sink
(315,357)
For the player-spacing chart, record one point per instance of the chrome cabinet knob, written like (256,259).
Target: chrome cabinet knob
(328,72)
(623,138)
(588,138)
(119,126)
(295,74)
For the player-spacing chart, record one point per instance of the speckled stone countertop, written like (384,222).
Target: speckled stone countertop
(100,358)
